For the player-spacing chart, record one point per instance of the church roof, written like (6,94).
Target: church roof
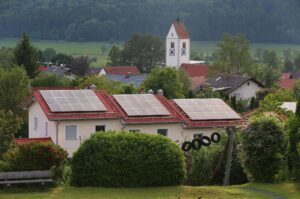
(180,30)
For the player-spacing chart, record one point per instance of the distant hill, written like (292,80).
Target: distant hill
(274,21)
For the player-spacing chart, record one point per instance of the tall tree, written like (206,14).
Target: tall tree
(233,54)
(144,51)
(26,55)
(80,64)
(6,57)
(167,79)
(114,56)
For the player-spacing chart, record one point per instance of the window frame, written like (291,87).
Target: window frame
(76,137)
(101,126)
(157,131)
(134,131)
(35,123)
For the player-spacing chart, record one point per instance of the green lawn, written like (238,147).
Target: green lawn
(288,190)
(100,49)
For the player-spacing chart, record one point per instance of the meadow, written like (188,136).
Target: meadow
(100,50)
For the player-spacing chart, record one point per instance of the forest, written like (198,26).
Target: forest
(274,21)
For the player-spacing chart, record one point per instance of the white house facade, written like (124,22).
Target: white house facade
(180,120)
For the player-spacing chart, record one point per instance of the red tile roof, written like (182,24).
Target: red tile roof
(286,75)
(26,140)
(114,110)
(195,70)
(286,83)
(122,70)
(43,68)
(180,30)
(196,82)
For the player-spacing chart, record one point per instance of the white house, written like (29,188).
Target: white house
(71,116)
(177,45)
(242,87)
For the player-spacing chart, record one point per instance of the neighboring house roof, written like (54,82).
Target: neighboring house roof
(286,76)
(94,71)
(286,83)
(57,70)
(180,30)
(26,140)
(228,82)
(196,82)
(122,70)
(195,70)
(115,110)
(295,75)
(127,79)
(289,106)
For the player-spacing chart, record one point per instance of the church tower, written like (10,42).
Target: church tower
(177,45)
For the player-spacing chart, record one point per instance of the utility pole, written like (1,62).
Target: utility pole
(231,136)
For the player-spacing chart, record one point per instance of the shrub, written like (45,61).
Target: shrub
(34,156)
(4,166)
(263,147)
(127,160)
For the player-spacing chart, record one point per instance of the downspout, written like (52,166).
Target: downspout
(56,132)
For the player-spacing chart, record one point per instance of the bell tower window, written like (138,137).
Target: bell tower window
(183,49)
(172,49)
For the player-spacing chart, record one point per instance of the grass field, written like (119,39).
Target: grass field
(286,190)
(100,49)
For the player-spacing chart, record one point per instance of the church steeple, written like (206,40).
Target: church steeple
(177,45)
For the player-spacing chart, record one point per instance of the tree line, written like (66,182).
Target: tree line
(109,20)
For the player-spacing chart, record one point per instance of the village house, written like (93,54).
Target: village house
(69,117)
(242,87)
(114,70)
(59,70)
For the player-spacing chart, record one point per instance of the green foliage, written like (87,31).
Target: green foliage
(144,51)
(272,101)
(127,160)
(264,74)
(263,149)
(186,83)
(48,54)
(233,54)
(114,56)
(102,83)
(207,92)
(296,89)
(62,173)
(271,59)
(9,125)
(25,55)
(6,58)
(50,80)
(34,156)
(4,166)
(13,89)
(62,58)
(167,79)
(80,64)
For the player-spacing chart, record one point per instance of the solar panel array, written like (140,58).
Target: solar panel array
(141,105)
(206,109)
(72,100)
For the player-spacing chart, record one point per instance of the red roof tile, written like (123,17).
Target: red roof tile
(122,70)
(286,83)
(286,75)
(196,82)
(195,70)
(26,140)
(180,30)
(43,68)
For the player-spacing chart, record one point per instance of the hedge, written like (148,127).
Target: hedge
(123,159)
(34,156)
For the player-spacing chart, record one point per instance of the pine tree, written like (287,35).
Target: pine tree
(26,55)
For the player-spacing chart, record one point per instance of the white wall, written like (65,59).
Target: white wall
(84,130)
(36,111)
(246,91)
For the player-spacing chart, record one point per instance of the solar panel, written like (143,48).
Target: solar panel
(72,100)
(141,105)
(206,109)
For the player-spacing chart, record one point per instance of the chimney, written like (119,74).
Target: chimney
(160,92)
(150,91)
(93,87)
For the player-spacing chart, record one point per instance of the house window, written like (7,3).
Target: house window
(135,131)
(71,132)
(248,83)
(172,49)
(163,132)
(198,135)
(99,128)
(183,50)
(172,44)
(46,128)
(35,123)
